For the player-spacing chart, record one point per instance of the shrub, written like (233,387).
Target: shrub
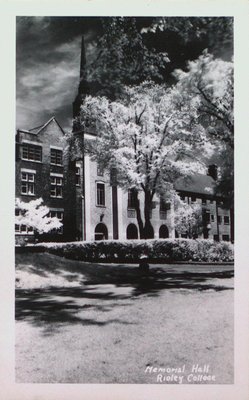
(156,251)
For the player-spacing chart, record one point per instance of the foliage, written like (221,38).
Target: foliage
(34,214)
(187,217)
(209,82)
(157,251)
(121,56)
(216,33)
(151,137)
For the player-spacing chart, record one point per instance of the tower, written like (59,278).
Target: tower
(83,88)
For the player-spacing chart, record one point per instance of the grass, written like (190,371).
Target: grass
(85,323)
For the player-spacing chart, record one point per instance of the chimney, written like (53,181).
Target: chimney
(212,171)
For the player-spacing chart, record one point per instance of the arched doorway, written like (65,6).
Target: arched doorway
(163,232)
(131,232)
(101,232)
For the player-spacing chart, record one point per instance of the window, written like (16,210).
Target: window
(31,152)
(56,157)
(131,198)
(100,170)
(226,220)
(206,216)
(226,238)
(211,201)
(77,176)
(219,219)
(56,186)
(216,238)
(58,214)
(182,197)
(163,209)
(27,183)
(193,199)
(100,194)
(204,201)
(212,217)
(22,229)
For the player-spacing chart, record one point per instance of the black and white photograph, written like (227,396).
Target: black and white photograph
(126,231)
(124,200)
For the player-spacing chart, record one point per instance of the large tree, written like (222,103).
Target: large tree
(151,137)
(208,81)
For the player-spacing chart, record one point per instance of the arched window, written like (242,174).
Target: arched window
(163,232)
(101,232)
(131,232)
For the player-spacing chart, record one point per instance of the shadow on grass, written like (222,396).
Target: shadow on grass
(68,304)
(49,306)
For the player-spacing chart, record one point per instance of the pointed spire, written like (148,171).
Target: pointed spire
(83,60)
(83,88)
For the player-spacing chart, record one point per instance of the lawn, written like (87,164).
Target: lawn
(93,323)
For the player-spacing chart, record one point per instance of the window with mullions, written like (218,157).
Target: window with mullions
(131,199)
(164,206)
(226,220)
(20,228)
(59,215)
(56,157)
(31,152)
(28,183)
(56,186)
(77,176)
(100,194)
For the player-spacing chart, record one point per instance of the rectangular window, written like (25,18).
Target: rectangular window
(226,238)
(31,152)
(131,199)
(56,157)
(56,186)
(212,217)
(20,228)
(164,207)
(219,219)
(28,183)
(193,199)
(77,176)
(59,215)
(216,238)
(100,194)
(226,220)
(207,217)
(204,201)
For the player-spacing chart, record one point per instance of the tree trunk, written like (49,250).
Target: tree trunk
(139,218)
(148,228)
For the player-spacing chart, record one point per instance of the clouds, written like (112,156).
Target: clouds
(47,67)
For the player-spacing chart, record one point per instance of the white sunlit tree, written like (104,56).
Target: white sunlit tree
(151,137)
(35,215)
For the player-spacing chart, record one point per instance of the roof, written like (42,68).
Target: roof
(39,128)
(198,183)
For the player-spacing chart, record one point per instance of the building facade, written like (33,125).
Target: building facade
(44,171)
(87,199)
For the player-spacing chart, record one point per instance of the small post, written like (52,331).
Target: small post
(143,264)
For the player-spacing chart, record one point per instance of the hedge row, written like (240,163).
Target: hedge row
(157,251)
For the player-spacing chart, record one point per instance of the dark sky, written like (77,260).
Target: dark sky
(47,67)
(48,64)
